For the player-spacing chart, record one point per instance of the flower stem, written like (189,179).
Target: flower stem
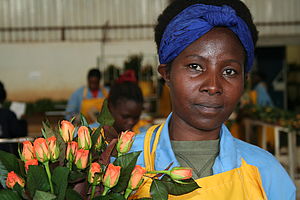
(159,172)
(46,164)
(70,165)
(105,190)
(93,191)
(127,193)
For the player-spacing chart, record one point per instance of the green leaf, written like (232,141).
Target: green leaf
(127,162)
(8,163)
(158,190)
(76,176)
(37,179)
(105,117)
(40,195)
(9,195)
(18,189)
(177,188)
(72,195)
(83,121)
(95,136)
(116,196)
(60,181)
(106,197)
(47,130)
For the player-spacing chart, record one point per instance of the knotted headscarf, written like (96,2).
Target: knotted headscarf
(196,20)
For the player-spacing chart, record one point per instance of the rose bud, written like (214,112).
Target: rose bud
(98,143)
(53,148)
(94,168)
(125,142)
(81,158)
(136,178)
(30,162)
(41,150)
(71,151)
(181,173)
(66,130)
(111,176)
(84,138)
(12,179)
(28,151)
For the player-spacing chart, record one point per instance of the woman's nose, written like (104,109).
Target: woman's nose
(211,85)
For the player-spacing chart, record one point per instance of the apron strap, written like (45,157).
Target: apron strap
(149,156)
(102,89)
(104,92)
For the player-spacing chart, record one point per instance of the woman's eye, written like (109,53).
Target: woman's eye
(195,67)
(229,72)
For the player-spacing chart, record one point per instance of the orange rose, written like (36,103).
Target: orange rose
(28,151)
(84,138)
(181,173)
(30,162)
(111,176)
(53,148)
(136,178)
(12,179)
(94,168)
(67,130)
(71,151)
(125,142)
(41,150)
(81,158)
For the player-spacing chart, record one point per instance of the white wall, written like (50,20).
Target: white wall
(54,70)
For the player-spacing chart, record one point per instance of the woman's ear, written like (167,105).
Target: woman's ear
(164,71)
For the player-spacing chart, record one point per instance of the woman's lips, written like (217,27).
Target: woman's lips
(209,108)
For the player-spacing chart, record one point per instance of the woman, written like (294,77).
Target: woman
(125,103)
(206,49)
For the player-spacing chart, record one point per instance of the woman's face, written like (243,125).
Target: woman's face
(126,114)
(206,79)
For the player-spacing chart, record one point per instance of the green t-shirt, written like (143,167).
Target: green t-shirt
(198,155)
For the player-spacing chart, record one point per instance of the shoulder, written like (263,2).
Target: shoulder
(274,176)
(78,92)
(138,145)
(7,113)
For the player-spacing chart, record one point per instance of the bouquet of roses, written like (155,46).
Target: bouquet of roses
(61,166)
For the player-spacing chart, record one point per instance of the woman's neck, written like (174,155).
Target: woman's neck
(182,131)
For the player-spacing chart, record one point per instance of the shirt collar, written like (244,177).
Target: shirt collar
(227,159)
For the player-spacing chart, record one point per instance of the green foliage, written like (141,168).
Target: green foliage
(72,195)
(8,163)
(105,117)
(60,181)
(272,115)
(37,180)
(177,188)
(41,195)
(158,190)
(9,195)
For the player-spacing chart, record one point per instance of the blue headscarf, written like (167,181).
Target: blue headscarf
(196,20)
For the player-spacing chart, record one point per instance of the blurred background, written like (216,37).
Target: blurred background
(48,46)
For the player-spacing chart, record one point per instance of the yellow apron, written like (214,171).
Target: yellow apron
(90,106)
(238,184)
